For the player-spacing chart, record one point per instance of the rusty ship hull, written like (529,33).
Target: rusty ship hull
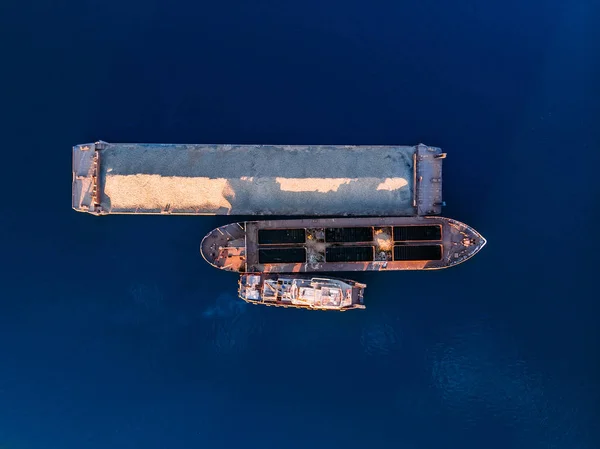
(301,291)
(341,244)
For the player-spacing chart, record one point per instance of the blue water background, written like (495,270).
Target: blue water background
(115,334)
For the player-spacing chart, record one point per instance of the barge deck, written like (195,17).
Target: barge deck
(293,180)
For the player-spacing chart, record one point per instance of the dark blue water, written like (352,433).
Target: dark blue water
(115,334)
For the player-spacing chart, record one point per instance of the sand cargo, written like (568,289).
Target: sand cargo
(302,180)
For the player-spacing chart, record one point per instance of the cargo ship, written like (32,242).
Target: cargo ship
(341,244)
(303,292)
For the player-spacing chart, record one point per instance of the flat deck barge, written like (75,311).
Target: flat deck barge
(341,244)
(297,180)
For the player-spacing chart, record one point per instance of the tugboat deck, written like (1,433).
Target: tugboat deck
(297,291)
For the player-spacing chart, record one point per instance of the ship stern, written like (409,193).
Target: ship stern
(225,247)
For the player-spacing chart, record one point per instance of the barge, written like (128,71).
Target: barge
(303,292)
(341,244)
(292,180)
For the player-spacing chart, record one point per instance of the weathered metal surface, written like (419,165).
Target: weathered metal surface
(235,247)
(301,180)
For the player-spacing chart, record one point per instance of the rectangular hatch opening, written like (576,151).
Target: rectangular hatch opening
(349,254)
(413,253)
(417,233)
(282,255)
(281,236)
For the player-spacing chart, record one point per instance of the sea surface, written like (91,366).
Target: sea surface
(114,333)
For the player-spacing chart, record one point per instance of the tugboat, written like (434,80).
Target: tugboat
(303,292)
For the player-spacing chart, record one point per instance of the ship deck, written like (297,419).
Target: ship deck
(341,244)
(309,180)
(301,291)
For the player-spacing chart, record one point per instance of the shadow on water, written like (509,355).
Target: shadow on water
(231,324)
(144,317)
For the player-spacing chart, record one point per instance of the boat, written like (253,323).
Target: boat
(341,244)
(243,179)
(303,292)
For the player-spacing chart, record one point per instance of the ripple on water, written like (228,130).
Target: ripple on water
(232,324)
(379,337)
(142,303)
(481,377)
